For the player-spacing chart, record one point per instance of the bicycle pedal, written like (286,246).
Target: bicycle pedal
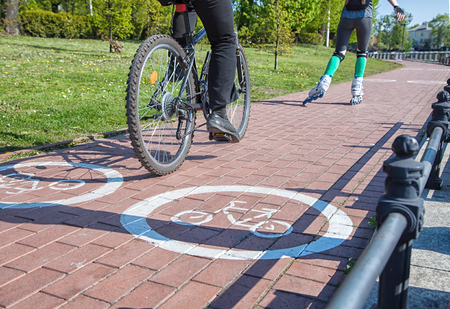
(222,137)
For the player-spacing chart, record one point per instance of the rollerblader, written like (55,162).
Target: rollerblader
(356,14)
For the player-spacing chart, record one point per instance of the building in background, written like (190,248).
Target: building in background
(422,37)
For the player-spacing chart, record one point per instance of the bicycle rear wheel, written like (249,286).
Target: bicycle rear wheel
(238,112)
(160,137)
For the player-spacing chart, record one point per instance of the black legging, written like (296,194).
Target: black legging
(363,28)
(217,18)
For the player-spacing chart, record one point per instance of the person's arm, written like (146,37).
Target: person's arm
(397,9)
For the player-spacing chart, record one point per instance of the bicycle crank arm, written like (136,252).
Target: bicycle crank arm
(188,133)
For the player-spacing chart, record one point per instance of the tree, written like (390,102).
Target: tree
(246,12)
(11,21)
(113,17)
(441,30)
(282,30)
(149,17)
(273,22)
(405,22)
(391,32)
(320,20)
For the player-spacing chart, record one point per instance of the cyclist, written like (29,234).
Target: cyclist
(356,14)
(217,18)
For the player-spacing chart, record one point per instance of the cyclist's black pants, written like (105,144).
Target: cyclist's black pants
(217,18)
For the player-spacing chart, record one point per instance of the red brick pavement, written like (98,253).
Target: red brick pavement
(71,250)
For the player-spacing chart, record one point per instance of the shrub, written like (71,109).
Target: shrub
(62,25)
(310,38)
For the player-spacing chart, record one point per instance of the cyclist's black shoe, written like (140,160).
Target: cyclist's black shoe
(221,127)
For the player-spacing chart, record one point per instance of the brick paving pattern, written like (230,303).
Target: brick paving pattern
(65,244)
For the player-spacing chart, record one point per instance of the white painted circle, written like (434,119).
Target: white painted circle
(113,177)
(134,220)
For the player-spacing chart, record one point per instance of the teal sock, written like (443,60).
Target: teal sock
(332,66)
(360,66)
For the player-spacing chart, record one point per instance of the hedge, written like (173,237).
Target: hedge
(62,25)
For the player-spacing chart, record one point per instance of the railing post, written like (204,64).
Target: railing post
(402,195)
(447,88)
(439,118)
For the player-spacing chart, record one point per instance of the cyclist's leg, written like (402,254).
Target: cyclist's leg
(217,17)
(178,28)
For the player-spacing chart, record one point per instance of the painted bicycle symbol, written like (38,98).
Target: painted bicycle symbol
(260,223)
(17,183)
(23,181)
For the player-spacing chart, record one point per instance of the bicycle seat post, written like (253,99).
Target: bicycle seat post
(182,8)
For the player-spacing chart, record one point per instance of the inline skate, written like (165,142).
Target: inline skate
(319,91)
(357,90)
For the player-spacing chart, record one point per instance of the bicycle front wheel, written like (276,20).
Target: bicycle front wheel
(160,133)
(238,112)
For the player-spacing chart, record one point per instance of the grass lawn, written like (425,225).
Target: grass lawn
(54,90)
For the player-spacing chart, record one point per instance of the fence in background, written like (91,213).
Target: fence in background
(400,215)
(441,57)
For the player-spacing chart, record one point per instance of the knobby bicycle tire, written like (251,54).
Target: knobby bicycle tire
(156,74)
(238,112)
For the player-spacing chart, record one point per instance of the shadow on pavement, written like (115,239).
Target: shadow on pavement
(318,292)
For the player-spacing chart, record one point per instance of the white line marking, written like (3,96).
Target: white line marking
(426,82)
(379,80)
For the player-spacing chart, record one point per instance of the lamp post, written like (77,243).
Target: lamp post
(403,38)
(328,25)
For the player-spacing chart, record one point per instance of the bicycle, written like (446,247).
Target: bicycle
(165,91)
(260,224)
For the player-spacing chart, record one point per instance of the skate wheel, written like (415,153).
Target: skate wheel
(356,100)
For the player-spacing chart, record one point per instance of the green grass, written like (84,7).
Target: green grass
(61,89)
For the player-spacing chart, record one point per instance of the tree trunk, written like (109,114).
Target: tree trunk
(12,17)
(2,10)
(277,44)
(276,53)
(110,34)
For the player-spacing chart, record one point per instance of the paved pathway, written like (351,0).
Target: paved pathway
(88,227)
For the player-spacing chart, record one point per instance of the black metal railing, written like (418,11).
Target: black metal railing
(400,215)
